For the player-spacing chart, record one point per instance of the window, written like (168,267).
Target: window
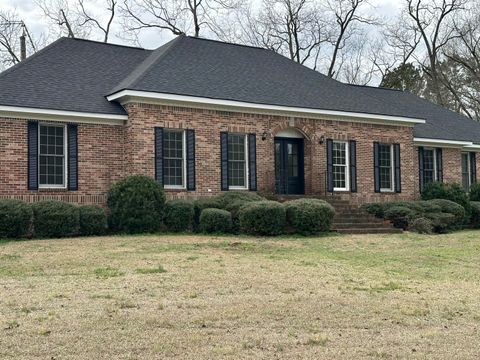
(174,159)
(385,160)
(466,170)
(237,161)
(429,165)
(52,171)
(340,166)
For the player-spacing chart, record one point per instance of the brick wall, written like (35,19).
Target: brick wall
(100,163)
(209,123)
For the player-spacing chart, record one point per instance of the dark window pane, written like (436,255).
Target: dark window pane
(173,157)
(236,160)
(51,156)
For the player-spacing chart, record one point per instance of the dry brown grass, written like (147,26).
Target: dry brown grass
(191,297)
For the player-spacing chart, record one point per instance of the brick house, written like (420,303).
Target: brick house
(203,116)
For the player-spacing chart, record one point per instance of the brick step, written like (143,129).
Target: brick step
(391,230)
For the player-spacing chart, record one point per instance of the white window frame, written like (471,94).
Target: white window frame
(347,166)
(469,168)
(392,171)
(435,173)
(65,157)
(245,137)
(184,162)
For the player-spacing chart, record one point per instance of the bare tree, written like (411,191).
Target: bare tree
(90,19)
(176,16)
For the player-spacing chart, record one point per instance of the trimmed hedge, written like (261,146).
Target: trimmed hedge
(422,226)
(228,197)
(179,215)
(452,192)
(15,218)
(400,216)
(215,221)
(309,216)
(93,220)
(137,204)
(475,192)
(53,218)
(475,214)
(262,218)
(206,202)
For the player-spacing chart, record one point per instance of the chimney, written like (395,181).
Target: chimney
(23,47)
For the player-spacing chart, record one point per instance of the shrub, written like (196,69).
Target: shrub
(309,216)
(377,209)
(234,209)
(136,204)
(399,215)
(215,221)
(475,214)
(421,226)
(441,222)
(53,218)
(15,218)
(450,207)
(262,218)
(228,197)
(93,220)
(206,202)
(179,215)
(452,192)
(475,192)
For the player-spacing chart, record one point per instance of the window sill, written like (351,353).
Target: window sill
(173,188)
(237,188)
(341,190)
(56,189)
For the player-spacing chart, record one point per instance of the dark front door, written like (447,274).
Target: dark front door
(289,166)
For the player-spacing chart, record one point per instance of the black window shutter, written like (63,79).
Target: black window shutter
(421,168)
(72,144)
(439,165)
(159,155)
(329,165)
(473,167)
(397,164)
(353,165)
(190,159)
(224,160)
(376,167)
(252,162)
(32,139)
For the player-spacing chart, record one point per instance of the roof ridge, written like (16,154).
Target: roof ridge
(140,70)
(376,87)
(105,43)
(226,42)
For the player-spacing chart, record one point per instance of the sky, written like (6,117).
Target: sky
(29,12)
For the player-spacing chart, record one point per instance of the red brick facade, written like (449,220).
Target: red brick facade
(108,152)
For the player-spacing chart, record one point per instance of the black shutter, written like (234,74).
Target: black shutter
(224,160)
(190,159)
(159,155)
(398,174)
(329,165)
(353,165)
(473,168)
(72,144)
(376,167)
(252,162)
(421,168)
(439,165)
(32,139)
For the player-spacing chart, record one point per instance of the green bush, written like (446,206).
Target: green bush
(93,220)
(206,202)
(309,216)
(400,216)
(421,226)
(475,214)
(376,209)
(451,207)
(452,192)
(234,209)
(228,197)
(136,204)
(475,192)
(53,218)
(179,215)
(15,218)
(215,221)
(442,222)
(262,218)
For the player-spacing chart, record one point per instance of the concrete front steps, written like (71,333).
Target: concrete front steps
(350,218)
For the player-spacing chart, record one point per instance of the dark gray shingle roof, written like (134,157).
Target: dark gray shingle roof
(77,75)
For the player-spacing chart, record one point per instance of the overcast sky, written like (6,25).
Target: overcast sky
(36,23)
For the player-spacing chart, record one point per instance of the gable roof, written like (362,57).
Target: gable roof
(78,75)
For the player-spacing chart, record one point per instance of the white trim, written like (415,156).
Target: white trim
(184,162)
(125,96)
(61,115)
(441,142)
(246,187)
(347,166)
(65,158)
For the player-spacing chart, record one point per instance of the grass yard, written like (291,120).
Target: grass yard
(154,297)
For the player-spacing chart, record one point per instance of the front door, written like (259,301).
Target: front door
(289,177)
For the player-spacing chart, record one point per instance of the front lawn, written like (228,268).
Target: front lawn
(190,297)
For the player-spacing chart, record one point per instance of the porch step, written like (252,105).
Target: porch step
(391,230)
